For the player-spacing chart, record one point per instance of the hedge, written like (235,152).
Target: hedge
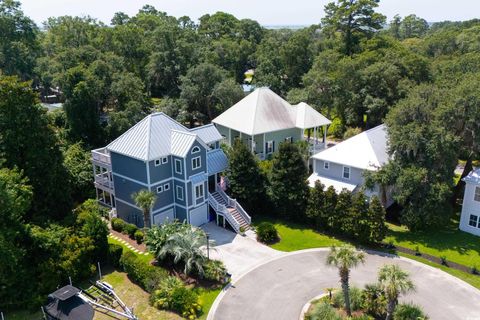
(118,224)
(145,275)
(114,254)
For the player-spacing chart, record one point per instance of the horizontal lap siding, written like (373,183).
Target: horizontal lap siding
(124,188)
(161,172)
(129,167)
(164,198)
(470,206)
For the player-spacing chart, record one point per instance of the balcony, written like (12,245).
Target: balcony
(101,156)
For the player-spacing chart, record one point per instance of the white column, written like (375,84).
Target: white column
(253,142)
(315,135)
(230,136)
(264,143)
(324,137)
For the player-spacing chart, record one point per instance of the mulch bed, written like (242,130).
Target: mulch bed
(142,247)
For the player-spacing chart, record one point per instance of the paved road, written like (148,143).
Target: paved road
(278,289)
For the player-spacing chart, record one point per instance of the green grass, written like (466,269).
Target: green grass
(456,245)
(207,297)
(145,258)
(297,237)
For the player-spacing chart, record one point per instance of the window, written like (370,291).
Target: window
(180,193)
(161,161)
(196,163)
(288,139)
(164,160)
(199,191)
(346,172)
(477,194)
(166,187)
(157,162)
(326,165)
(159,189)
(270,147)
(473,220)
(196,149)
(178,166)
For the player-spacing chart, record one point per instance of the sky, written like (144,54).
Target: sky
(266,12)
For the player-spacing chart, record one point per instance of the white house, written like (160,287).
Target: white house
(343,165)
(470,218)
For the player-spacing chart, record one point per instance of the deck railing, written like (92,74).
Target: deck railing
(101,155)
(233,203)
(223,211)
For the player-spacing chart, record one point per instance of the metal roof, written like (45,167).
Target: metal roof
(264,111)
(367,150)
(329,182)
(208,133)
(216,161)
(198,178)
(307,117)
(153,138)
(473,177)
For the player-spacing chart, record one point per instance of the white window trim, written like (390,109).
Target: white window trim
(199,163)
(157,162)
(289,139)
(349,172)
(159,189)
(195,191)
(179,195)
(175,165)
(476,192)
(164,160)
(476,222)
(269,146)
(196,149)
(166,187)
(326,165)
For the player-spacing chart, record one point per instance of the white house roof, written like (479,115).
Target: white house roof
(264,111)
(208,133)
(328,182)
(367,150)
(307,117)
(155,136)
(473,177)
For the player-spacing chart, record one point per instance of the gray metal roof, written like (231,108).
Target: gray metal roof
(153,137)
(208,133)
(216,161)
(473,177)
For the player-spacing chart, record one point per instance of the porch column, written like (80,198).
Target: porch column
(253,142)
(325,137)
(264,144)
(230,136)
(315,135)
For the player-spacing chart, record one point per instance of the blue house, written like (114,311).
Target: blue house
(182,166)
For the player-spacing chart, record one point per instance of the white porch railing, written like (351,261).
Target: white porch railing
(233,203)
(223,211)
(101,156)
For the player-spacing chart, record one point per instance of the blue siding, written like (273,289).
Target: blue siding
(189,193)
(129,214)
(165,197)
(124,188)
(129,167)
(181,184)
(203,156)
(180,214)
(160,172)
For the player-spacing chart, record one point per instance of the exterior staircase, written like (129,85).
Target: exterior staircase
(230,209)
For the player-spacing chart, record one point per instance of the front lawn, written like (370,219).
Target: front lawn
(456,245)
(295,236)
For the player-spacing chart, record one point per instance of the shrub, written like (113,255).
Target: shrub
(336,128)
(443,259)
(374,300)
(114,254)
(474,269)
(118,224)
(266,232)
(406,311)
(130,230)
(350,132)
(356,299)
(172,294)
(139,236)
(322,311)
(145,275)
(214,270)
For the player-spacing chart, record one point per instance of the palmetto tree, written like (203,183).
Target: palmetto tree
(394,282)
(145,200)
(185,247)
(344,258)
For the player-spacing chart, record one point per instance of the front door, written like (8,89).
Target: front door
(211,183)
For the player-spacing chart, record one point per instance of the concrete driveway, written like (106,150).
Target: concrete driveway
(278,289)
(238,253)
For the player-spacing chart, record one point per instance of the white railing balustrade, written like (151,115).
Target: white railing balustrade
(233,203)
(223,211)
(100,155)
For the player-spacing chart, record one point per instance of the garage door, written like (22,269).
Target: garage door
(199,216)
(160,218)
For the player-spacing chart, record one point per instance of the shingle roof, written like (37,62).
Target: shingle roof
(208,133)
(367,150)
(263,111)
(473,177)
(153,137)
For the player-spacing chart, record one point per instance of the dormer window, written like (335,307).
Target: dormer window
(196,149)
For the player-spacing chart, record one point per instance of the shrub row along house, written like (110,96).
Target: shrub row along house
(182,166)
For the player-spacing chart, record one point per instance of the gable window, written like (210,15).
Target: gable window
(166,186)
(164,160)
(159,189)
(157,162)
(473,220)
(270,147)
(346,172)
(179,191)
(196,163)
(178,166)
(326,165)
(196,149)
(477,194)
(288,139)
(199,191)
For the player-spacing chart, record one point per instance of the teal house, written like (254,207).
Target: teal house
(182,166)
(263,120)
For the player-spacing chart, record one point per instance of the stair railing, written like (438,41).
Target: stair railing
(223,211)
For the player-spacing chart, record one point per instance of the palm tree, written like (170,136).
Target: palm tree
(393,281)
(145,199)
(344,258)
